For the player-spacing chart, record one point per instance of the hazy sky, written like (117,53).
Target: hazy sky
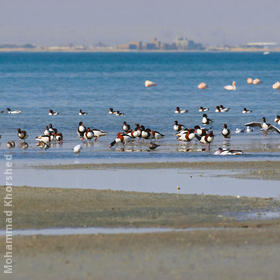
(52,22)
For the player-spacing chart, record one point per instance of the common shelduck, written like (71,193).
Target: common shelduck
(224,109)
(205,119)
(177,126)
(82,113)
(11,144)
(13,111)
(88,134)
(81,130)
(145,133)
(203,109)
(231,87)
(188,136)
(264,125)
(43,145)
(227,152)
(53,113)
(98,133)
(277,119)
(22,134)
(77,149)
(134,133)
(200,131)
(202,85)
(246,111)
(52,129)
(47,131)
(226,131)
(125,127)
(218,109)
(206,139)
(111,111)
(221,109)
(24,145)
(44,138)
(150,83)
(156,135)
(121,138)
(58,137)
(118,113)
(179,111)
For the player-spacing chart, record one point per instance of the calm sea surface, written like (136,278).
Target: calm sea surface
(67,82)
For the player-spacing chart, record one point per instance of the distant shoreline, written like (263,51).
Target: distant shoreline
(115,50)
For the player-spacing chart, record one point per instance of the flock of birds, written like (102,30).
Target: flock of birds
(203,132)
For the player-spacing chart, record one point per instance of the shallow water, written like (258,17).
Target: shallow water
(67,82)
(93,230)
(146,180)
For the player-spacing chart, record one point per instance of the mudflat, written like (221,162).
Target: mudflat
(226,248)
(53,207)
(247,253)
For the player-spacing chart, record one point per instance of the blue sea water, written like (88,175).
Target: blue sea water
(93,82)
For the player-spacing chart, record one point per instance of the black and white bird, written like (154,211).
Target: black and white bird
(264,126)
(180,111)
(205,119)
(246,111)
(227,152)
(226,131)
(53,113)
(82,113)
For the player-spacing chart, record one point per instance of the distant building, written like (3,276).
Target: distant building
(180,43)
(260,45)
(183,43)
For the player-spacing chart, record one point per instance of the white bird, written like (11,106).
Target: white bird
(239,130)
(98,133)
(44,139)
(77,149)
(231,87)
(150,83)
(263,126)
(249,81)
(13,111)
(257,81)
(249,129)
(202,85)
(276,85)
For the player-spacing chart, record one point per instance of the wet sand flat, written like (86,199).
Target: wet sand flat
(228,254)
(247,249)
(49,207)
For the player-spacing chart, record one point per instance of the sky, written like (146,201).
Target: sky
(212,22)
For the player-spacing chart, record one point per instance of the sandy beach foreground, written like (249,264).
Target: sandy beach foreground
(237,249)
